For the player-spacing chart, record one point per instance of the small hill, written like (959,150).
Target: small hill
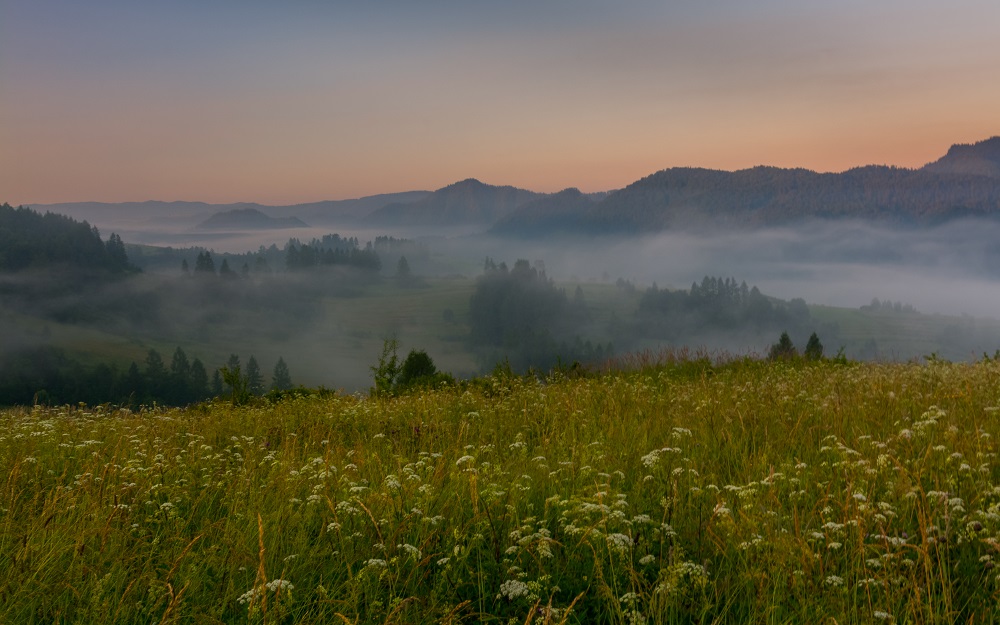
(249,219)
(976,159)
(469,202)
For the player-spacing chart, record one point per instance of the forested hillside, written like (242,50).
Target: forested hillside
(29,240)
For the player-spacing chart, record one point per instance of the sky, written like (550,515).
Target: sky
(307,100)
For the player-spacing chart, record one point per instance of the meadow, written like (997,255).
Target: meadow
(667,490)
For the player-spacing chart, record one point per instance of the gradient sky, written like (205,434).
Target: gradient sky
(304,100)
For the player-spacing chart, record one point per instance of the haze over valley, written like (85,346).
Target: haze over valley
(876,271)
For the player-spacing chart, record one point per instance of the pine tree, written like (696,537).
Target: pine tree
(281,380)
(198,380)
(403,275)
(117,258)
(180,377)
(156,374)
(217,386)
(225,271)
(204,264)
(254,381)
(133,383)
(814,349)
(233,364)
(783,349)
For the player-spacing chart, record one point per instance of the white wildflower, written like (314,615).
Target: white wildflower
(619,543)
(512,589)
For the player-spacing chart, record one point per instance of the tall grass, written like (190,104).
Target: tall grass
(745,492)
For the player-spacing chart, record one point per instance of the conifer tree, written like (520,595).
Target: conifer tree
(814,349)
(217,386)
(254,381)
(783,349)
(198,380)
(403,275)
(281,380)
(180,378)
(204,264)
(225,271)
(117,258)
(156,374)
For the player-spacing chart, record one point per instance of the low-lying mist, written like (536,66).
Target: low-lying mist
(947,269)
(329,324)
(952,269)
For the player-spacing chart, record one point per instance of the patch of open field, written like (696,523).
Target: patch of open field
(689,492)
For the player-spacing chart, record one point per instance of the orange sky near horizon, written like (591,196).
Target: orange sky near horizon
(121,101)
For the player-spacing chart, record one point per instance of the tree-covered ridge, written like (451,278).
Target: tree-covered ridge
(31,240)
(767,196)
(980,159)
(964,183)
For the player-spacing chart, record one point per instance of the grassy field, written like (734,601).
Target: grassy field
(679,492)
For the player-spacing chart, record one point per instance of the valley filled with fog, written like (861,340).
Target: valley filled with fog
(876,263)
(950,269)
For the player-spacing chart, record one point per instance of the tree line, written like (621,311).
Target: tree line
(716,304)
(48,375)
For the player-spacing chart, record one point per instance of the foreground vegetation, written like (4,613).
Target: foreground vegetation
(677,492)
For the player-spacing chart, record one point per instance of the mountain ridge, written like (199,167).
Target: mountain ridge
(965,182)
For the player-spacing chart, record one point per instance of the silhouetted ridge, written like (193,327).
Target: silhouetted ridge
(468,202)
(976,159)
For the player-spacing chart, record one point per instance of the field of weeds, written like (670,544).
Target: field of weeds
(747,492)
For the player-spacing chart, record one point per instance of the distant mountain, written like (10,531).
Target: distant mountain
(977,159)
(156,214)
(249,219)
(469,202)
